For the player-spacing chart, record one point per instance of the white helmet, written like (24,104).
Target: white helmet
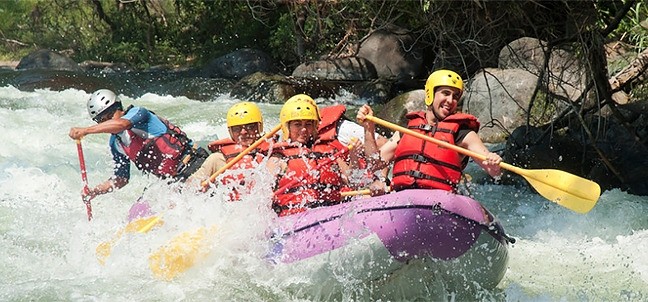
(101,100)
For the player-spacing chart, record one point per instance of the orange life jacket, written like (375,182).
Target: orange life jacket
(312,178)
(422,164)
(158,155)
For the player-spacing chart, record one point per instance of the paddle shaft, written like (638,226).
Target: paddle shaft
(324,162)
(243,153)
(455,148)
(84,178)
(427,138)
(359,192)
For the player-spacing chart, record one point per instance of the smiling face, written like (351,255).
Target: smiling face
(445,101)
(246,134)
(303,131)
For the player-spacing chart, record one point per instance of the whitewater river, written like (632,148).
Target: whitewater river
(47,245)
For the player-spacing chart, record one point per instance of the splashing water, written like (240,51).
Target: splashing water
(48,246)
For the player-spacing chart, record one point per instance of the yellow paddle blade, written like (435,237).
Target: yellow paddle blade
(142,225)
(573,192)
(181,253)
(104,249)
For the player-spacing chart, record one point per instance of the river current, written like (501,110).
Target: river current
(47,244)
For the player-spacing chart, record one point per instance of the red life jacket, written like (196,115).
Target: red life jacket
(230,150)
(158,155)
(328,127)
(330,116)
(422,164)
(319,179)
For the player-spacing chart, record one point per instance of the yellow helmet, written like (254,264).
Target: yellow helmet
(303,97)
(244,113)
(441,77)
(299,109)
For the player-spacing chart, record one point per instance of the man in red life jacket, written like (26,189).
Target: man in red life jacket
(310,171)
(422,164)
(155,145)
(245,125)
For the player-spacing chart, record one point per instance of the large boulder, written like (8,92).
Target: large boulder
(47,59)
(540,148)
(263,87)
(238,64)
(396,108)
(564,74)
(500,101)
(621,155)
(394,54)
(342,69)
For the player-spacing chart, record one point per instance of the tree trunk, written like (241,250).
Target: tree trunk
(633,74)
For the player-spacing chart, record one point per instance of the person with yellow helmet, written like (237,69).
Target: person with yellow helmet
(421,164)
(245,126)
(310,171)
(334,124)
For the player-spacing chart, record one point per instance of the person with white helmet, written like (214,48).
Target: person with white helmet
(152,143)
(422,164)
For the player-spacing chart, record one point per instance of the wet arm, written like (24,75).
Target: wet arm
(213,163)
(110,126)
(473,143)
(108,186)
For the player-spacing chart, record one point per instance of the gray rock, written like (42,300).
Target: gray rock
(343,69)
(564,76)
(500,100)
(47,59)
(395,55)
(239,64)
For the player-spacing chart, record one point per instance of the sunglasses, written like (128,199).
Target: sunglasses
(102,117)
(248,127)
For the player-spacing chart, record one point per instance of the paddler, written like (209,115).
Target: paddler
(311,171)
(245,126)
(138,135)
(422,164)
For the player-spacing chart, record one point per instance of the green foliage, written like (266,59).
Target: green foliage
(637,33)
(15,38)
(633,29)
(150,32)
(544,109)
(281,36)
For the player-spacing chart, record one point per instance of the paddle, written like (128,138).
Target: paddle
(182,251)
(573,192)
(359,192)
(84,178)
(142,225)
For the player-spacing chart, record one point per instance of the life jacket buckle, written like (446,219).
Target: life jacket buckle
(419,158)
(417,174)
(429,128)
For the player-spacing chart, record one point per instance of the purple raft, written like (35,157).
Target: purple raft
(453,234)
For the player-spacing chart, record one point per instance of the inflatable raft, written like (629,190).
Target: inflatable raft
(427,237)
